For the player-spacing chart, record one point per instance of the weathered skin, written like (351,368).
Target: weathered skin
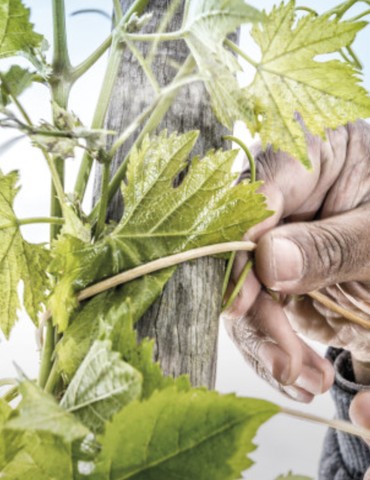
(318,239)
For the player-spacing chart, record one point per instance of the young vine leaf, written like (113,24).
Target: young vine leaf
(40,456)
(159,438)
(16,31)
(206,25)
(13,83)
(112,312)
(289,78)
(38,412)
(19,261)
(102,385)
(159,218)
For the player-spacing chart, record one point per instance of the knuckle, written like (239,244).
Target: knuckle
(332,249)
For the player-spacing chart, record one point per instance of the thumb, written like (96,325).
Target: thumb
(359,411)
(301,257)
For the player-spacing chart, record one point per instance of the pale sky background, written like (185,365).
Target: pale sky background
(284,444)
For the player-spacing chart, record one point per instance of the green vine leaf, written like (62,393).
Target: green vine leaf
(19,261)
(38,412)
(159,218)
(102,385)
(14,82)
(16,31)
(206,24)
(290,79)
(42,457)
(112,312)
(211,442)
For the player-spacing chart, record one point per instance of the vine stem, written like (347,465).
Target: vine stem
(84,66)
(103,200)
(156,37)
(158,112)
(240,52)
(11,394)
(153,121)
(331,305)
(243,146)
(105,96)
(247,268)
(30,221)
(341,425)
(60,83)
(161,263)
(8,381)
(47,354)
(193,254)
(167,91)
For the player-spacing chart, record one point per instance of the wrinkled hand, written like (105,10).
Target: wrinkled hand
(318,239)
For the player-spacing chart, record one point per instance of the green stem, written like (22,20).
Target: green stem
(154,120)
(47,354)
(227,276)
(23,112)
(162,27)
(103,204)
(33,220)
(243,146)
(356,62)
(240,52)
(60,83)
(84,66)
(117,10)
(60,80)
(238,286)
(104,98)
(145,66)
(155,37)
(341,9)
(307,9)
(8,381)
(52,379)
(361,15)
(11,394)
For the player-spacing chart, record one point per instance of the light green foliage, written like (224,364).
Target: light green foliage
(158,218)
(326,93)
(19,260)
(108,308)
(13,83)
(140,355)
(16,32)
(102,385)
(206,25)
(38,412)
(196,434)
(42,457)
(36,439)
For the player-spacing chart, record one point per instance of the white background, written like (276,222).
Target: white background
(284,444)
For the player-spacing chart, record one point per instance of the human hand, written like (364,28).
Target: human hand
(318,238)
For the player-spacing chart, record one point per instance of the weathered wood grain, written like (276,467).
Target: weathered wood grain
(184,321)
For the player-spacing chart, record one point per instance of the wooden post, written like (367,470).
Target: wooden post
(184,320)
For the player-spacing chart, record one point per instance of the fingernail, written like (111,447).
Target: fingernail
(298,394)
(287,261)
(310,380)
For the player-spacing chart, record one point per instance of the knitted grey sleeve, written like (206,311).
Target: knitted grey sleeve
(344,457)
